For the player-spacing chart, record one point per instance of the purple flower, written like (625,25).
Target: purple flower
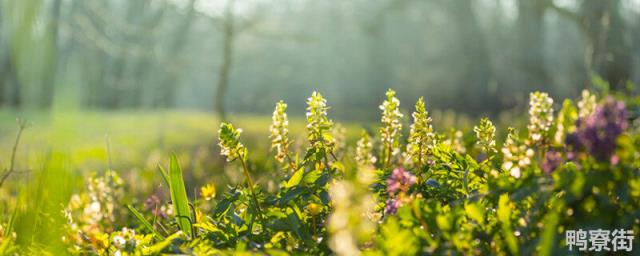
(552,160)
(392,206)
(598,132)
(153,204)
(398,185)
(400,180)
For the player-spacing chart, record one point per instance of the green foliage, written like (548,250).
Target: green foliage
(567,118)
(459,198)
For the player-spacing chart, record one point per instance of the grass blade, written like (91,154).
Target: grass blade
(9,229)
(144,221)
(165,176)
(179,197)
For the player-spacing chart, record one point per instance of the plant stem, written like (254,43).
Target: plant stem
(250,184)
(294,168)
(333,156)
(388,157)
(420,156)
(21,126)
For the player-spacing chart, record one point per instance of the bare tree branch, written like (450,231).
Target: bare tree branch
(22,124)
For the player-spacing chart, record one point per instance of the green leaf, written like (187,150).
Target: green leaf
(312,176)
(290,195)
(5,246)
(504,216)
(324,178)
(295,225)
(443,222)
(338,166)
(179,197)
(221,208)
(158,247)
(466,181)
(433,183)
(548,236)
(475,212)
(310,153)
(144,221)
(295,178)
(397,240)
(471,163)
(504,212)
(324,197)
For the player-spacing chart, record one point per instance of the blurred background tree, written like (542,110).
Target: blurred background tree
(475,57)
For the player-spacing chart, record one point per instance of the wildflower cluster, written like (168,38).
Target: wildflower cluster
(398,185)
(355,205)
(364,147)
(517,156)
(339,134)
(319,127)
(421,136)
(540,116)
(157,208)
(599,131)
(485,135)
(280,132)
(230,145)
(454,141)
(587,104)
(126,242)
(92,214)
(391,129)
(552,160)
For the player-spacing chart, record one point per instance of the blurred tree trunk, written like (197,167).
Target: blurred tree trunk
(10,94)
(530,27)
(96,62)
(225,67)
(168,85)
(2,81)
(3,60)
(475,71)
(609,50)
(380,73)
(49,81)
(5,74)
(138,76)
(119,84)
